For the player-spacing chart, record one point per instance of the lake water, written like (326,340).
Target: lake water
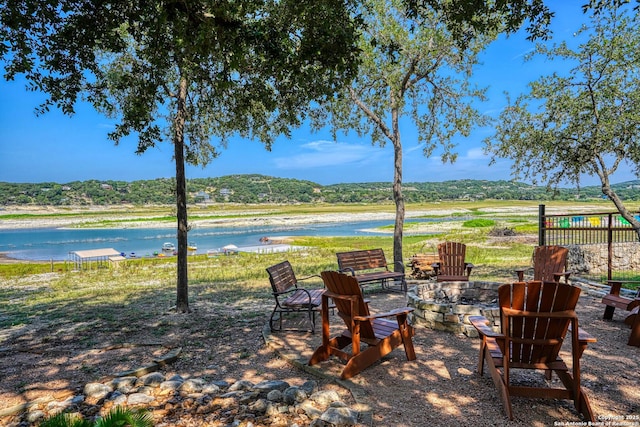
(55,244)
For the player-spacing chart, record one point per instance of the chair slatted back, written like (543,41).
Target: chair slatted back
(535,339)
(452,258)
(347,285)
(548,260)
(367,259)
(282,277)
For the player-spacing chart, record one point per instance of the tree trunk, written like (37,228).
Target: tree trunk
(398,263)
(182,300)
(613,196)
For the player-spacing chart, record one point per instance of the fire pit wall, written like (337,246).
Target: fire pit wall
(446,306)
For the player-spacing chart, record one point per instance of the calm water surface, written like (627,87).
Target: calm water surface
(55,244)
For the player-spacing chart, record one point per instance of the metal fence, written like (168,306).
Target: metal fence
(599,228)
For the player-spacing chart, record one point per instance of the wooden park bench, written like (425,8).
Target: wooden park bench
(291,298)
(370,266)
(422,265)
(614,300)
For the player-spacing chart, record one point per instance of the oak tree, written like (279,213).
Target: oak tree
(412,69)
(583,121)
(183,71)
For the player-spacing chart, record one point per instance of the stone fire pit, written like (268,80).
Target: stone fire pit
(446,306)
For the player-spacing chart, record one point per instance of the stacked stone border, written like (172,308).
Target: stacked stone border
(453,316)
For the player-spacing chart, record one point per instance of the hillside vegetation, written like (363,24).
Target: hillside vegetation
(266,189)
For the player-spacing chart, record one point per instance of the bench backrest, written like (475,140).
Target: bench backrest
(362,260)
(282,277)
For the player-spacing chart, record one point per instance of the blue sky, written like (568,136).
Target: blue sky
(57,148)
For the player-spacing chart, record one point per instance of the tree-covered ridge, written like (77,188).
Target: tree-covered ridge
(267,189)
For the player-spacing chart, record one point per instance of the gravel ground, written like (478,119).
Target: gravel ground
(442,387)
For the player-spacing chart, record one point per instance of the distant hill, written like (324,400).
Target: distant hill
(267,189)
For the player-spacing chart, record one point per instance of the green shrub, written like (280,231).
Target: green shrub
(117,417)
(479,222)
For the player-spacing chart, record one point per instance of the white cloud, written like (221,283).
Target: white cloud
(318,154)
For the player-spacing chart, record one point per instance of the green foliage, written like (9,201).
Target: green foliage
(260,189)
(25,269)
(117,417)
(466,18)
(582,121)
(479,222)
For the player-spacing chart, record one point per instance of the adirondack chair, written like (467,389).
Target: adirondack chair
(452,266)
(379,333)
(290,297)
(535,317)
(549,264)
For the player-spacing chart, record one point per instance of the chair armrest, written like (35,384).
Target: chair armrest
(341,297)
(288,291)
(482,326)
(436,267)
(584,336)
(309,277)
(558,276)
(348,270)
(468,266)
(393,313)
(400,264)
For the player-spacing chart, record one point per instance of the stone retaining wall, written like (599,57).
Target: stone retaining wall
(592,259)
(453,316)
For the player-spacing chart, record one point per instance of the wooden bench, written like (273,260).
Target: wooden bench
(614,300)
(633,320)
(422,265)
(370,266)
(291,298)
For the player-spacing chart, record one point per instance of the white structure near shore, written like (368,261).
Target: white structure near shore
(99,258)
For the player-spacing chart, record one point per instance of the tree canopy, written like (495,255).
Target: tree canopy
(183,71)
(411,71)
(584,120)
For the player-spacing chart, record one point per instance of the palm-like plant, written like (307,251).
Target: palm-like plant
(117,417)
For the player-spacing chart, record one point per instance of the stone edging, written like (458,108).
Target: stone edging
(363,405)
(168,358)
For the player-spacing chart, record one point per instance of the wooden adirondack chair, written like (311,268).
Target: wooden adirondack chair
(535,317)
(451,266)
(549,264)
(379,333)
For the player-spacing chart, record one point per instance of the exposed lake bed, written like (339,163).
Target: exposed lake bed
(50,233)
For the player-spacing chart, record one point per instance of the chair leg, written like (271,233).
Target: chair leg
(634,338)
(273,313)
(502,386)
(580,400)
(608,312)
(481,356)
(312,319)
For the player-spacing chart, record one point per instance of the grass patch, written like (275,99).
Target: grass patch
(479,222)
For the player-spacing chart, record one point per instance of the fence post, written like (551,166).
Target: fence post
(610,247)
(541,225)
